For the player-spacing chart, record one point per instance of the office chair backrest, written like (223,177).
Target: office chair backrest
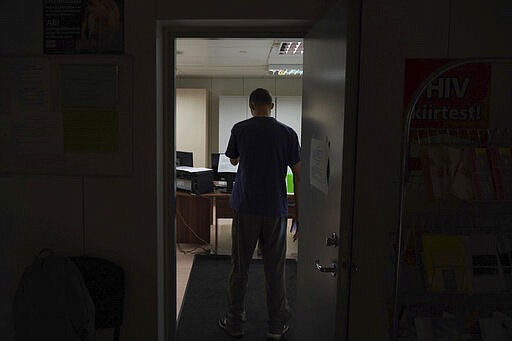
(106,284)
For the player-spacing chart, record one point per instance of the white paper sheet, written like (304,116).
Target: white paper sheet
(225,165)
(192,169)
(318,163)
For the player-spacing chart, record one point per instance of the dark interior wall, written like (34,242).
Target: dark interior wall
(35,212)
(232,9)
(392,31)
(110,217)
(22,26)
(120,213)
(113,217)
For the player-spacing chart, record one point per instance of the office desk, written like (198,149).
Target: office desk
(201,212)
(193,212)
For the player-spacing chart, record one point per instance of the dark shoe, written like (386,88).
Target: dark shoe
(277,335)
(233,331)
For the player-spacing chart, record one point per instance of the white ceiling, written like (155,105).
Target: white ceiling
(197,57)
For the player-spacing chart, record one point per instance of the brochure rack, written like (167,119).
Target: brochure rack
(454,240)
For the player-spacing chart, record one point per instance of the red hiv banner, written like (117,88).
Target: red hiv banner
(457,99)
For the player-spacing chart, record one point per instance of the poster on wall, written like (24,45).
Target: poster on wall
(83,26)
(458,99)
(452,111)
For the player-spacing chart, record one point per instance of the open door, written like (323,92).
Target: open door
(328,163)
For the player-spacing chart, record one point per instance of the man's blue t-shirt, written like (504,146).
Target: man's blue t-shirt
(265,147)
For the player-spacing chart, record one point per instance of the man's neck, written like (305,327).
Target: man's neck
(261,115)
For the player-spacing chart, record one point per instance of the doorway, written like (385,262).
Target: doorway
(333,29)
(214,77)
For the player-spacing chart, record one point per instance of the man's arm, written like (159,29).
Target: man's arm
(232,149)
(296,193)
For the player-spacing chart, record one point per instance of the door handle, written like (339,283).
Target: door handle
(333,269)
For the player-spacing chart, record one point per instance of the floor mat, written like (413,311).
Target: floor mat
(206,300)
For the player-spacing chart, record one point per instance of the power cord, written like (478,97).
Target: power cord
(192,251)
(195,234)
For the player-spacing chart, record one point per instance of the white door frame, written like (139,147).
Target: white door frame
(168,31)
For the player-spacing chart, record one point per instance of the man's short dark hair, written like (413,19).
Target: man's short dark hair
(260,96)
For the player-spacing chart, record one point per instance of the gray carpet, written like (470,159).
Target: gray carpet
(206,300)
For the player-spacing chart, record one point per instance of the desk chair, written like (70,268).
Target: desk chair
(105,281)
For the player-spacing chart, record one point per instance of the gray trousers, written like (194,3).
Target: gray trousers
(246,231)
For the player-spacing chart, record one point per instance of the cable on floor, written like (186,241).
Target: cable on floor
(190,251)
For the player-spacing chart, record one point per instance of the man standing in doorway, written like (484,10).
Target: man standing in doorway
(263,148)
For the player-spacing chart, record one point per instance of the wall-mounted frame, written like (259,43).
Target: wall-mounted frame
(66,115)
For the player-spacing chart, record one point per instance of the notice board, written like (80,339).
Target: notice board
(63,115)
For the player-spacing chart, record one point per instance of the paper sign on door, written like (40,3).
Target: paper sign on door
(318,165)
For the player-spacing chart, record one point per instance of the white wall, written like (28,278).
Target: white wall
(191,124)
(236,87)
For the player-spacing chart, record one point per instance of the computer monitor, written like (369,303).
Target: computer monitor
(184,159)
(224,170)
(215,165)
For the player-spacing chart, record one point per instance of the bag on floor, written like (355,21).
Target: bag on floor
(52,302)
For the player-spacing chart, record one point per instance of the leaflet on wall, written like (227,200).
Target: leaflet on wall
(89,86)
(319,165)
(90,131)
(83,26)
(89,102)
(30,78)
(29,125)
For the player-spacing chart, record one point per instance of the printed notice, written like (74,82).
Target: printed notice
(90,131)
(27,125)
(89,86)
(319,164)
(31,85)
(36,133)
